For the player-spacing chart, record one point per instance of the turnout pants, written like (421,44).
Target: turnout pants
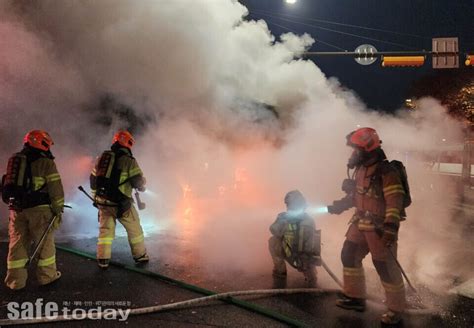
(26,228)
(275,247)
(356,246)
(131,223)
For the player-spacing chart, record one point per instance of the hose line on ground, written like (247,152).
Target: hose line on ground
(242,304)
(164,307)
(211,296)
(237,302)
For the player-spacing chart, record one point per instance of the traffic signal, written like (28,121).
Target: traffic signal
(403,61)
(469,60)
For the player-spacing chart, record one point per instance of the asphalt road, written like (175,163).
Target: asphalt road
(83,282)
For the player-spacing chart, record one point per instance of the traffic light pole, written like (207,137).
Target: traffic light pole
(379,53)
(444,53)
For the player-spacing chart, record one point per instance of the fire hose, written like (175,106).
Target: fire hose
(171,306)
(211,296)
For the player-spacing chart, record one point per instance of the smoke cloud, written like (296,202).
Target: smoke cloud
(229,119)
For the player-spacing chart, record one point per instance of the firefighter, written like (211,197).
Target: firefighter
(33,190)
(295,240)
(378,196)
(112,180)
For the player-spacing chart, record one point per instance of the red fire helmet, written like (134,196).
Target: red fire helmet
(124,138)
(366,139)
(38,139)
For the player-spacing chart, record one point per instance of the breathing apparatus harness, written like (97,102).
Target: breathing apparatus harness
(17,184)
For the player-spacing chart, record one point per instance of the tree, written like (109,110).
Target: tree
(454,88)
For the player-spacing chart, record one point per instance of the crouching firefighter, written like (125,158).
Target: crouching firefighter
(379,191)
(294,240)
(115,174)
(34,193)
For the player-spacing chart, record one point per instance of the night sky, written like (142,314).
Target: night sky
(381,88)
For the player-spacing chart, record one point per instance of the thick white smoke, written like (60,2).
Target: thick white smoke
(234,120)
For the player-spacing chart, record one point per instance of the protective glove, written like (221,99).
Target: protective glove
(58,212)
(58,221)
(333,209)
(339,206)
(389,234)
(139,183)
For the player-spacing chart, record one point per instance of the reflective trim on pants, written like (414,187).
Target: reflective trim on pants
(48,261)
(387,269)
(137,240)
(105,241)
(354,282)
(26,227)
(17,264)
(395,295)
(131,223)
(357,272)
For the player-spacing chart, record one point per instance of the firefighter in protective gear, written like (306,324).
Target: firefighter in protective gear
(295,240)
(378,198)
(112,186)
(43,198)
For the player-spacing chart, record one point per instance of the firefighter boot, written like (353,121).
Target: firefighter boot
(103,263)
(351,303)
(54,281)
(391,318)
(142,260)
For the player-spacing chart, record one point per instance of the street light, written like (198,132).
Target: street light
(410,104)
(290,1)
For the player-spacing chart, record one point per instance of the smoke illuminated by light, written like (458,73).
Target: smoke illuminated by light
(255,158)
(150,193)
(150,225)
(317,210)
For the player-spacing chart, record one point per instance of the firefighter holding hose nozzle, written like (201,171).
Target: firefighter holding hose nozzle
(294,240)
(114,176)
(379,192)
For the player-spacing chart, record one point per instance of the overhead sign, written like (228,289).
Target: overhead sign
(445,53)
